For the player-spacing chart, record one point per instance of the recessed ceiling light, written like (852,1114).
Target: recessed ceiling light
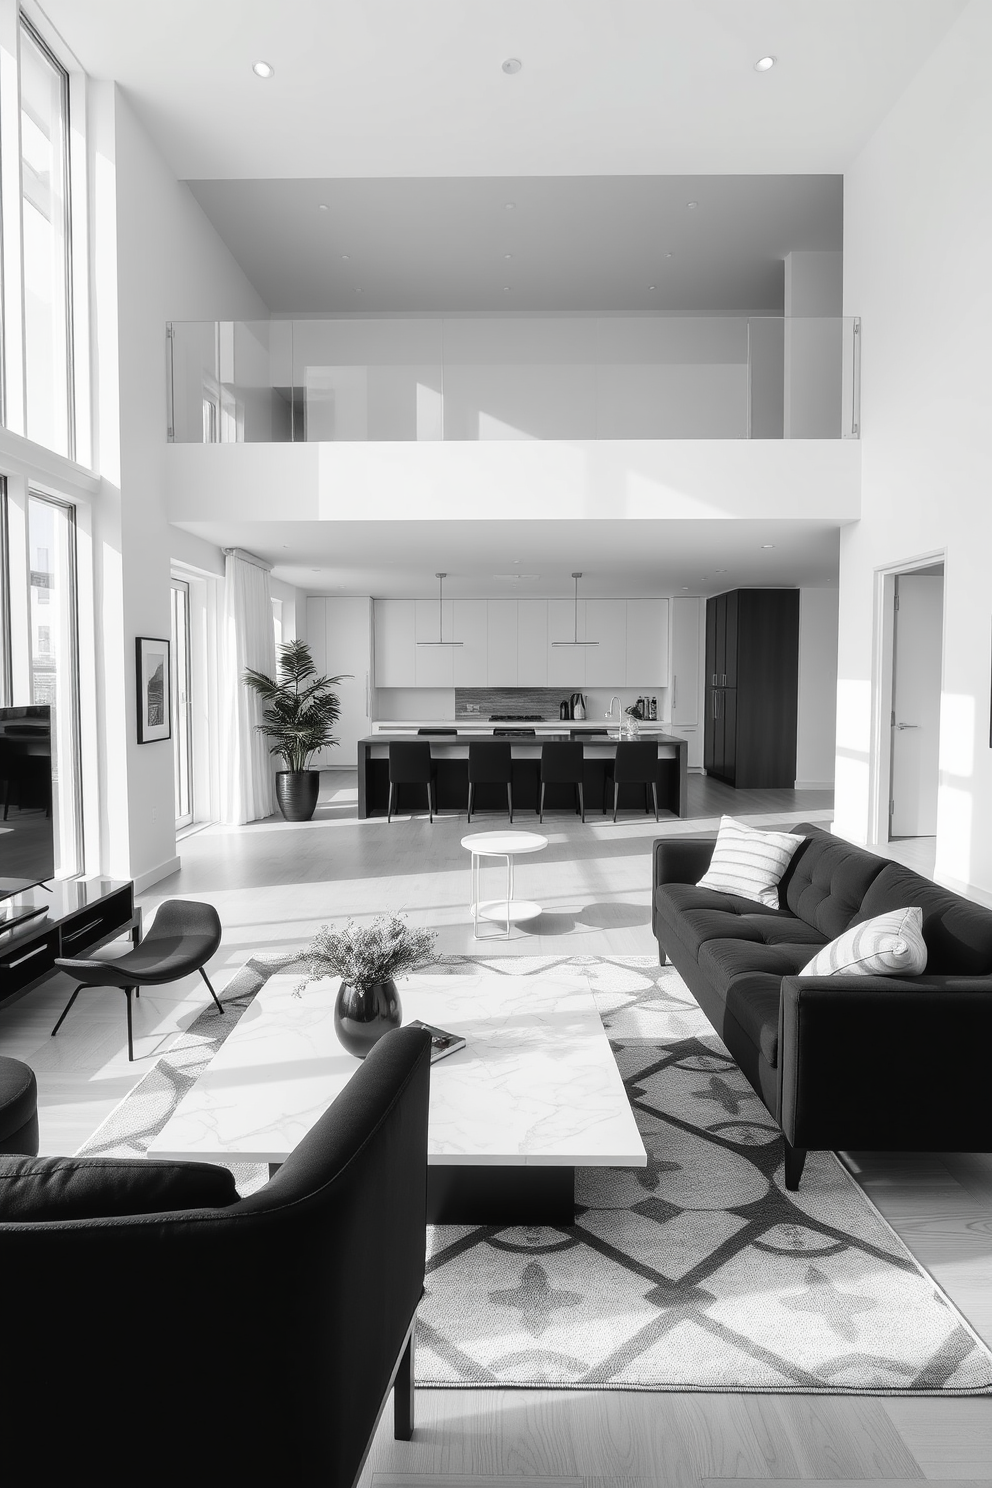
(512,65)
(719,570)
(765,64)
(767,545)
(263,69)
(345,257)
(652,286)
(509,206)
(506,289)
(323,207)
(668,255)
(507,255)
(692,205)
(358,290)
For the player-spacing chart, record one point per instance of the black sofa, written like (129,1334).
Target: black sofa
(854,1063)
(254,1341)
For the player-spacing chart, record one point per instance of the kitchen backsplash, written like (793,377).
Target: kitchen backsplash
(480,702)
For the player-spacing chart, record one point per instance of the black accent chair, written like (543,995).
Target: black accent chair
(307,1288)
(562,764)
(18,1108)
(636,763)
(489,764)
(411,764)
(182,938)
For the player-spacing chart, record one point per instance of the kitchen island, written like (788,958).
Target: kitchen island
(450,752)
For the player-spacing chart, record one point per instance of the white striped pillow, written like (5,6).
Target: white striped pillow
(748,862)
(890,945)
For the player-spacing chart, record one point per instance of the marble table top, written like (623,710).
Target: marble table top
(536,1084)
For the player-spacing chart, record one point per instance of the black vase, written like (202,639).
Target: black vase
(363,1015)
(296,793)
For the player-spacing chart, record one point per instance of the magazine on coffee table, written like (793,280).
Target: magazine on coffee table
(442,1042)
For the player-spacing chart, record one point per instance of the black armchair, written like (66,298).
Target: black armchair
(253,1343)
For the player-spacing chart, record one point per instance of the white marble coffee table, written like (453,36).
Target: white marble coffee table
(534,1094)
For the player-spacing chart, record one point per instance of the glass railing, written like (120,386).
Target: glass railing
(465,378)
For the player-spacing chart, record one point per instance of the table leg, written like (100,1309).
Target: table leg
(509,890)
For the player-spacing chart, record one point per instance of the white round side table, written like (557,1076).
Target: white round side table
(501,845)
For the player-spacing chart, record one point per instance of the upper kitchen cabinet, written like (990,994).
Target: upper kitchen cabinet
(647,643)
(532,643)
(395,642)
(687,661)
(470,626)
(501,643)
(566,664)
(434,665)
(606,623)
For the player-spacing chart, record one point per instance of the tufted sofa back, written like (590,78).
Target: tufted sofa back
(827,880)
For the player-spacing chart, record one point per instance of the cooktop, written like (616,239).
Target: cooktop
(516,718)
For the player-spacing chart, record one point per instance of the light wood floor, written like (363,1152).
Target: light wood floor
(274,883)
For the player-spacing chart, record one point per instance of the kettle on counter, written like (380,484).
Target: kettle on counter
(578,705)
(563,710)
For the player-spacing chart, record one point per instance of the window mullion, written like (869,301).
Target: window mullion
(11,266)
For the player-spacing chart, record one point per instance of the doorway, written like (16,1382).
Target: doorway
(917,635)
(182,732)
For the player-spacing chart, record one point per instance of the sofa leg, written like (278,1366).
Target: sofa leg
(403,1394)
(662,956)
(795,1159)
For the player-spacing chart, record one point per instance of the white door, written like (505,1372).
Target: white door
(916,676)
(339,634)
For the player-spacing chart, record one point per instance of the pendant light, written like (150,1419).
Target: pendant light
(576,641)
(440,617)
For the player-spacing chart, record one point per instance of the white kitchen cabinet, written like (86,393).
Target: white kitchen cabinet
(532,643)
(501,643)
(693,735)
(605,621)
(470,625)
(434,665)
(687,663)
(395,642)
(339,634)
(566,664)
(647,643)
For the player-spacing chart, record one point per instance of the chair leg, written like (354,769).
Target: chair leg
(213,994)
(130,1040)
(509,800)
(67,1007)
(431,808)
(646,806)
(540,809)
(403,1394)
(580,789)
(616,799)
(654,797)
(471,797)
(389,804)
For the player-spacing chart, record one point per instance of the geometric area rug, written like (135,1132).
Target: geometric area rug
(698,1272)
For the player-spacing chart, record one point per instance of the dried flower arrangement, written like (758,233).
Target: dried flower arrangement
(364,955)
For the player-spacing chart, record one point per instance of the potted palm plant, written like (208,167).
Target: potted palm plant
(301,710)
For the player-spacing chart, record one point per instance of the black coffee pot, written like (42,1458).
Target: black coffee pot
(563,710)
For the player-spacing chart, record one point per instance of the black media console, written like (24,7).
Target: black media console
(80,915)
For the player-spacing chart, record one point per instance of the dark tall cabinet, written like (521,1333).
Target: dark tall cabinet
(752,687)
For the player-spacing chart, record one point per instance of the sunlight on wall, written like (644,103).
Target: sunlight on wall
(955,810)
(491,427)
(430,423)
(645,497)
(957,735)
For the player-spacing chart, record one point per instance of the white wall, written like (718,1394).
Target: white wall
(610,480)
(816,734)
(918,245)
(170,264)
(813,342)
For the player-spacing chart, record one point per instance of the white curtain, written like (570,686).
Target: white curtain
(247,640)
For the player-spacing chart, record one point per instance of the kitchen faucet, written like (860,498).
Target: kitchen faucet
(615,699)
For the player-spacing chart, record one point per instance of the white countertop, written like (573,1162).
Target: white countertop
(536,1084)
(466,724)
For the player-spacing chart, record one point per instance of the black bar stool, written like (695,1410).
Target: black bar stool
(636,763)
(437,731)
(489,764)
(562,764)
(411,764)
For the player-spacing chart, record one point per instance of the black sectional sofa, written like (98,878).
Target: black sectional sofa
(864,1062)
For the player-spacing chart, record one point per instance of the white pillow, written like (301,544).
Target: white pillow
(890,945)
(748,862)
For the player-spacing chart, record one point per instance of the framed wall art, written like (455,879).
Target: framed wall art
(154,704)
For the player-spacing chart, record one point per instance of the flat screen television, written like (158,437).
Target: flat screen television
(27,833)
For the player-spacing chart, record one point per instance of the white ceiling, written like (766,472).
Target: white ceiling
(569,243)
(390,88)
(625,557)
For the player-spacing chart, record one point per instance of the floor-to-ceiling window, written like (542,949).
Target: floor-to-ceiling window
(46,269)
(182,713)
(54,662)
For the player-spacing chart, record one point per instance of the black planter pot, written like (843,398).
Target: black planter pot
(362,1017)
(296,793)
